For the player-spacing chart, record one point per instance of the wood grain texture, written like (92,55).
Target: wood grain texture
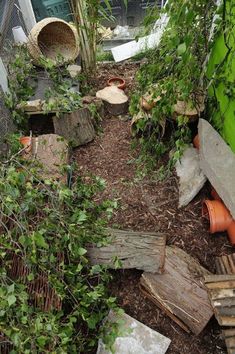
(140,250)
(221,289)
(180,291)
(225,264)
(229,336)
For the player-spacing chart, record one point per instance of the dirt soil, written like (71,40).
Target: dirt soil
(150,205)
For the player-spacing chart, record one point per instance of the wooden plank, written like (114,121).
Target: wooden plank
(229,336)
(221,289)
(225,264)
(180,290)
(140,250)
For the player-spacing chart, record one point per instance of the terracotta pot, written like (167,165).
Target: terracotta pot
(117,81)
(196,142)
(218,215)
(26,142)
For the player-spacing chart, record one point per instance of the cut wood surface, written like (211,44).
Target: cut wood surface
(116,102)
(221,289)
(225,264)
(140,250)
(180,291)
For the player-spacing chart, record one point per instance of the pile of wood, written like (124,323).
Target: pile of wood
(186,303)
(221,289)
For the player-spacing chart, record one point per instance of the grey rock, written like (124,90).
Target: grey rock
(135,338)
(218,163)
(191,177)
(74,70)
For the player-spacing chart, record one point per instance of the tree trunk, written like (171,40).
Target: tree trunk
(140,250)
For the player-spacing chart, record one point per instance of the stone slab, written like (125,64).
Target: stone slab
(191,177)
(218,163)
(51,151)
(135,338)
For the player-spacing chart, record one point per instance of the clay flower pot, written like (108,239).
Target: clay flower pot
(220,218)
(26,142)
(196,142)
(117,81)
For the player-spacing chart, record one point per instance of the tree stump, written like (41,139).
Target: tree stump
(76,127)
(140,250)
(115,100)
(180,291)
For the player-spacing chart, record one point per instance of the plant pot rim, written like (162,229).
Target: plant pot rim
(122,84)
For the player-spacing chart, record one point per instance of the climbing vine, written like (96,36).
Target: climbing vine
(174,72)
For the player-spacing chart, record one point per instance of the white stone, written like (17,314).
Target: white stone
(135,338)
(191,177)
(74,70)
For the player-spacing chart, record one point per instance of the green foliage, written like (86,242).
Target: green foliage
(22,81)
(174,72)
(20,70)
(46,226)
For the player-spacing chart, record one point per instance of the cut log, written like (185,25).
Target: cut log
(180,291)
(225,264)
(76,127)
(189,109)
(140,250)
(116,102)
(221,289)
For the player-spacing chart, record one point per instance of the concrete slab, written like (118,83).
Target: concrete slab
(191,177)
(135,338)
(218,163)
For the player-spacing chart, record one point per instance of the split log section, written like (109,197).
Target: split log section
(180,291)
(140,250)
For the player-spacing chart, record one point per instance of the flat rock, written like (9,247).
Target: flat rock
(191,177)
(135,338)
(51,151)
(112,95)
(218,163)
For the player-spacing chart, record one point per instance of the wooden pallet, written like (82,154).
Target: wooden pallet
(225,264)
(221,289)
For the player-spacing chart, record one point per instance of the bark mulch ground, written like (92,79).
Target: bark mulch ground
(151,205)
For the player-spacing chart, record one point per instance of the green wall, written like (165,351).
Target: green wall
(221,72)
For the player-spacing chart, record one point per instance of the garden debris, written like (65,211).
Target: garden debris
(187,303)
(51,38)
(51,151)
(77,127)
(218,163)
(225,264)
(74,70)
(31,106)
(116,101)
(134,337)
(129,249)
(191,177)
(221,289)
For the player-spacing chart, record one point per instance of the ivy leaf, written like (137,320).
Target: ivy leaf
(181,48)
(11,300)
(81,251)
(40,241)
